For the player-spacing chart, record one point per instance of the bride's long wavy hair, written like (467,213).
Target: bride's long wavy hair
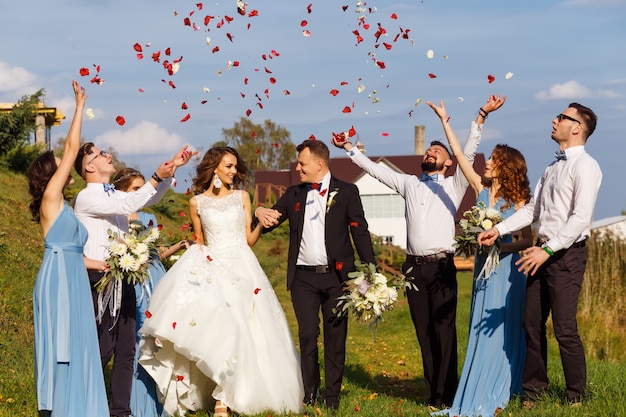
(510,167)
(205,169)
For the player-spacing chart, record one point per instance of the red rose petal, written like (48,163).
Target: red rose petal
(256,290)
(120,120)
(148,314)
(334,92)
(354,224)
(431,75)
(346,110)
(184,119)
(304,23)
(137,47)
(491,78)
(174,325)
(184,106)
(83,72)
(179,377)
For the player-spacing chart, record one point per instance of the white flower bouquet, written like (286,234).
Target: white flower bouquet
(130,255)
(369,294)
(475,221)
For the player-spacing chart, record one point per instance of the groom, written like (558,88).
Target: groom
(323,213)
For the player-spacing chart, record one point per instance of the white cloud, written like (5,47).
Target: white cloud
(16,81)
(146,138)
(574,90)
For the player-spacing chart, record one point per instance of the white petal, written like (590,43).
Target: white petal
(208,41)
(508,75)
(361,88)
(89,113)
(430,54)
(206,90)
(418,101)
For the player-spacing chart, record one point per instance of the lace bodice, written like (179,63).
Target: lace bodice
(223,220)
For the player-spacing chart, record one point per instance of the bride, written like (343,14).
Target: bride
(214,329)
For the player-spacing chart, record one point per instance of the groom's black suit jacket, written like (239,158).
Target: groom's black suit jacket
(344,218)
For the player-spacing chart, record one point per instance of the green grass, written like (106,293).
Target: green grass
(382,378)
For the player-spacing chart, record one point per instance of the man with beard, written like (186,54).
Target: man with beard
(431,203)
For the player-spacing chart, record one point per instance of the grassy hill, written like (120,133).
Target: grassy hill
(382,378)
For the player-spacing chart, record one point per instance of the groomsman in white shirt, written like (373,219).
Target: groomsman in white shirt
(562,205)
(431,203)
(101,208)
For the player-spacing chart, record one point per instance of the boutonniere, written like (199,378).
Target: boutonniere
(297,207)
(331,199)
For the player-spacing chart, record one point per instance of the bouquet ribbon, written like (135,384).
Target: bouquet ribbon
(492,261)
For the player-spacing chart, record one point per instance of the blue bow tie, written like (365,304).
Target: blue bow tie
(426,177)
(315,186)
(560,155)
(109,187)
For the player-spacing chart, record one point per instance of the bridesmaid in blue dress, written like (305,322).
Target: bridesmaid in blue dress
(68,372)
(494,362)
(143,400)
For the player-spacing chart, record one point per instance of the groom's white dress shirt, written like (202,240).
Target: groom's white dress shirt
(313,243)
(431,206)
(563,201)
(100,211)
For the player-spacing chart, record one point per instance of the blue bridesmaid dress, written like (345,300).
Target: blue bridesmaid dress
(143,400)
(494,363)
(68,371)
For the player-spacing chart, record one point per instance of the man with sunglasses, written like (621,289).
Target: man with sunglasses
(101,208)
(562,205)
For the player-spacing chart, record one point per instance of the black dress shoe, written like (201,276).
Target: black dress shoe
(332,402)
(310,398)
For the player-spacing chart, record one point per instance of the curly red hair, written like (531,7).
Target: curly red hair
(512,172)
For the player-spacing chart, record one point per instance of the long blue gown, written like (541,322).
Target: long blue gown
(492,371)
(68,372)
(143,399)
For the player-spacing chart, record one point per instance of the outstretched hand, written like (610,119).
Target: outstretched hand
(183,156)
(439,111)
(80,94)
(494,103)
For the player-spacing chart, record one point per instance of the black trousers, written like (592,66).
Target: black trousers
(118,340)
(433,311)
(555,288)
(311,292)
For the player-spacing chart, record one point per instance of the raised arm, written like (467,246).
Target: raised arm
(474,179)
(53,200)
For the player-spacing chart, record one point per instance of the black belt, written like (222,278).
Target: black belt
(426,259)
(318,269)
(579,244)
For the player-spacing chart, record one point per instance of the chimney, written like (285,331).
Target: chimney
(419,139)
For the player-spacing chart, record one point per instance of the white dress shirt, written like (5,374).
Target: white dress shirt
(100,211)
(563,201)
(313,242)
(430,207)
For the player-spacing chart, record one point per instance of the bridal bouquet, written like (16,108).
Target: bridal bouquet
(369,294)
(130,256)
(475,221)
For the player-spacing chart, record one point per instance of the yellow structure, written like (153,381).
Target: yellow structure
(45,118)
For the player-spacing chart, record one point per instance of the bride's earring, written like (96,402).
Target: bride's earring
(217,182)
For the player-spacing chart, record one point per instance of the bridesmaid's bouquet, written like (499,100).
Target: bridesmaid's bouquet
(475,221)
(369,294)
(130,256)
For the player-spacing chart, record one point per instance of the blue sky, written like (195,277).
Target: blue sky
(557,51)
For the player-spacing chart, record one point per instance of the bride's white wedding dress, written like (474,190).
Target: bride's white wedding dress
(215,329)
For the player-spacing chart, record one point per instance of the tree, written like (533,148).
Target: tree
(263,147)
(17,125)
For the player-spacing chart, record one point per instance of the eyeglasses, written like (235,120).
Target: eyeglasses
(101,153)
(562,116)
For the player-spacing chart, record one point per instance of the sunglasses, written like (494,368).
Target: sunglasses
(562,116)
(101,153)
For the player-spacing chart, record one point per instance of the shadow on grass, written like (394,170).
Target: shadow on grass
(412,389)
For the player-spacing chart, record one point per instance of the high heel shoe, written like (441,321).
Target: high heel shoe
(221,410)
